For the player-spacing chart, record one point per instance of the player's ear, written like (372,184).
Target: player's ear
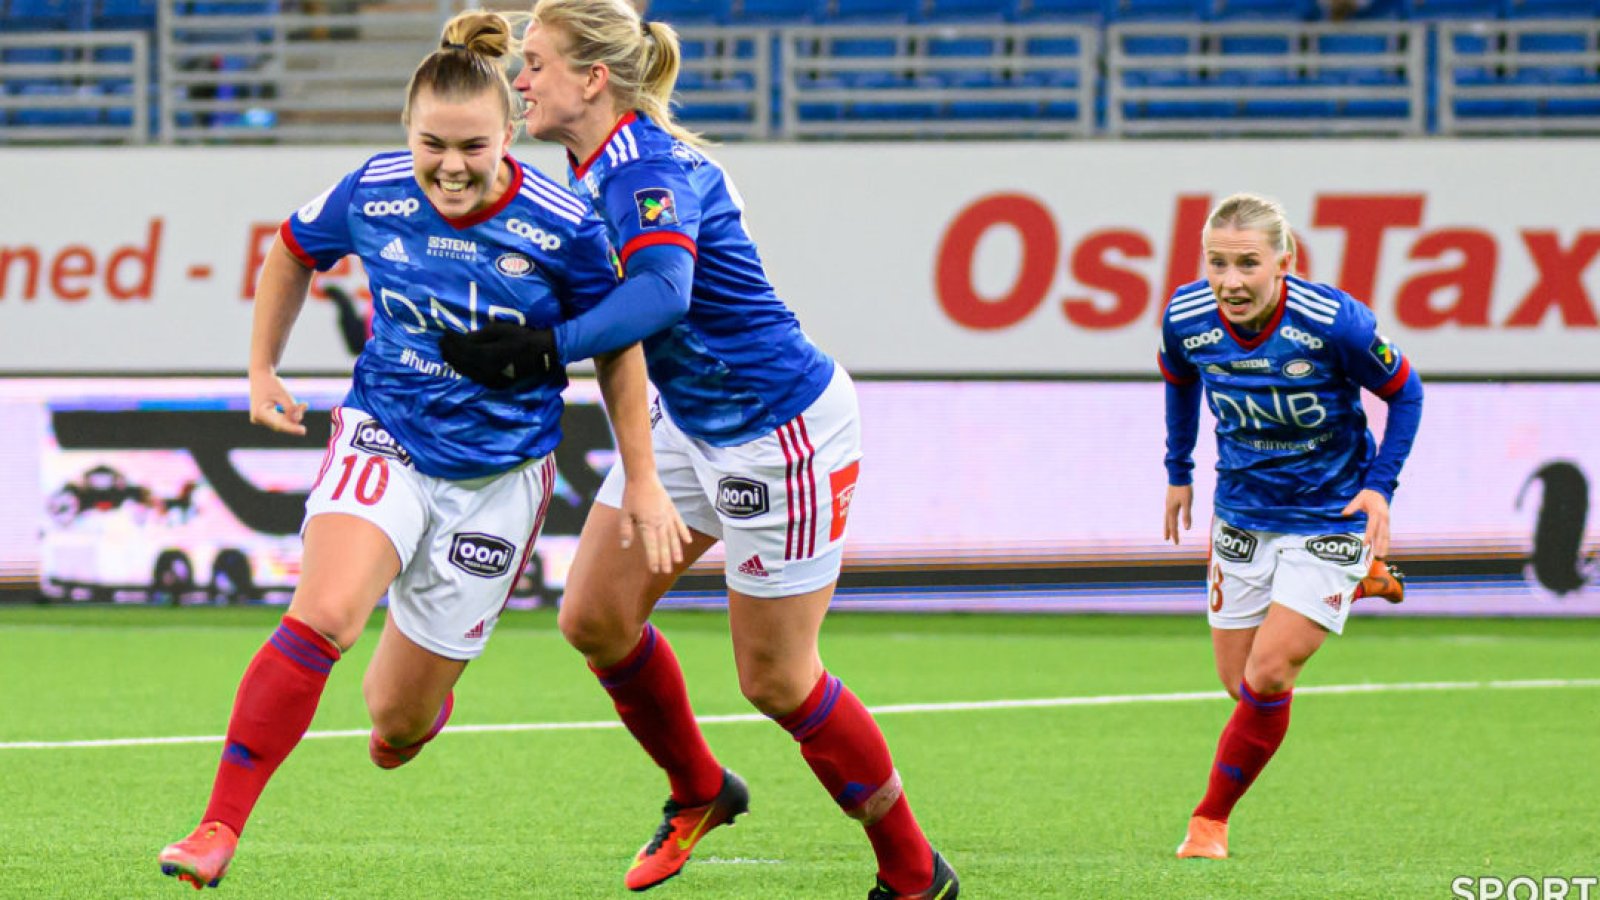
(599,79)
(1286,263)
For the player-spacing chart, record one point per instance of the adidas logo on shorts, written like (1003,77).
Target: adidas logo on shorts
(753,567)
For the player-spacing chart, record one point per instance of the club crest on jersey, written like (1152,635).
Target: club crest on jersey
(1385,353)
(657,208)
(514,265)
(1298,368)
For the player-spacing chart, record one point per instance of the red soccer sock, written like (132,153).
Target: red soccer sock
(1252,735)
(648,691)
(844,747)
(276,700)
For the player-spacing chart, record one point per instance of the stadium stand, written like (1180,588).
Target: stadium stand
(327,70)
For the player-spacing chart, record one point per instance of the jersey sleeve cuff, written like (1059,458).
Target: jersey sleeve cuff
(286,234)
(1169,376)
(656,239)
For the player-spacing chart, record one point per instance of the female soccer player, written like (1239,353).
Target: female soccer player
(757,440)
(433,487)
(1302,499)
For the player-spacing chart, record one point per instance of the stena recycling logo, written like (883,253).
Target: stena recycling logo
(376,208)
(483,555)
(312,210)
(540,238)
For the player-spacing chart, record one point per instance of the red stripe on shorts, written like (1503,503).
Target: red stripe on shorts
(788,490)
(811,485)
(327,456)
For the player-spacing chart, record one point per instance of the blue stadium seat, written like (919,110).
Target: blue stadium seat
(778,12)
(124,15)
(1374,109)
(690,12)
(1452,9)
(1288,108)
(963,11)
(1291,10)
(874,10)
(46,15)
(1085,11)
(1154,10)
(1559,43)
(1052,46)
(53,117)
(1544,9)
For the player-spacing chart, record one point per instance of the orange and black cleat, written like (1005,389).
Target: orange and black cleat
(1207,839)
(945,886)
(681,829)
(1383,580)
(202,858)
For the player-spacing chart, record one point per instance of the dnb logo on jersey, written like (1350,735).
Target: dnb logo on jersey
(1385,353)
(656,207)
(483,555)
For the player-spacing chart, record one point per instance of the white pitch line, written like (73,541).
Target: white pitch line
(892,709)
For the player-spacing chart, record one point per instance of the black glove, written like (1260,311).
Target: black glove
(500,354)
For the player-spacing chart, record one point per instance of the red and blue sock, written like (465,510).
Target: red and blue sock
(1253,733)
(647,688)
(844,748)
(276,700)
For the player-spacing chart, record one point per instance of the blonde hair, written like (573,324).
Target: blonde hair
(467,63)
(1251,212)
(643,57)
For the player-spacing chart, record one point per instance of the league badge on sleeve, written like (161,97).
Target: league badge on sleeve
(1387,354)
(656,207)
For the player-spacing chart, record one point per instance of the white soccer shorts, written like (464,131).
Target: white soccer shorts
(1314,575)
(462,544)
(780,503)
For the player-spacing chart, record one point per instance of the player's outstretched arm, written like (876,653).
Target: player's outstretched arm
(280,293)
(646,506)
(1180,505)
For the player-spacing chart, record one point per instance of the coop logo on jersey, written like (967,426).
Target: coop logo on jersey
(1298,368)
(741,498)
(513,265)
(1204,339)
(371,437)
(1234,545)
(656,207)
(483,555)
(1385,353)
(1343,549)
(312,210)
(452,248)
(1303,338)
(540,238)
(377,208)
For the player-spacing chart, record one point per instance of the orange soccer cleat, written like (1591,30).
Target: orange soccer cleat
(681,829)
(1207,839)
(202,858)
(945,886)
(1383,580)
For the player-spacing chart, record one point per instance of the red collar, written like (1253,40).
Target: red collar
(578,171)
(495,208)
(1263,334)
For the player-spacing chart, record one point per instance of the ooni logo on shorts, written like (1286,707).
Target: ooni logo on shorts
(1234,545)
(406,207)
(1203,339)
(1335,548)
(483,555)
(741,498)
(371,437)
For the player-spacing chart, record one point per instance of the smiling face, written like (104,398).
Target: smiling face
(555,93)
(456,146)
(1246,274)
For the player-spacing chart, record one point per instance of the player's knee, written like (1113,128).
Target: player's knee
(331,620)
(772,692)
(1269,676)
(396,720)
(594,631)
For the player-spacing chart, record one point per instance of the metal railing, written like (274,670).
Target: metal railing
(1266,78)
(1489,84)
(82,86)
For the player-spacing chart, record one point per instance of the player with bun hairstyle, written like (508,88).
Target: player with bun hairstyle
(434,486)
(757,440)
(1303,490)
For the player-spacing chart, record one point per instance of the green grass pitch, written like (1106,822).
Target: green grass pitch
(1381,793)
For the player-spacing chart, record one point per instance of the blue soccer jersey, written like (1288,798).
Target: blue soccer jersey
(535,257)
(737,365)
(1292,441)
